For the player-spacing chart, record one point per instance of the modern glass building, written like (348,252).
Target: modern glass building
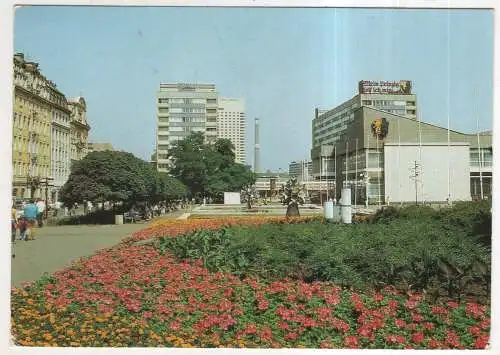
(385,157)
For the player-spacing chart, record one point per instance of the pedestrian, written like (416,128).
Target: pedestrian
(41,210)
(57,208)
(30,215)
(13,223)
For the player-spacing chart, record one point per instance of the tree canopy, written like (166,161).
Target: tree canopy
(117,176)
(208,169)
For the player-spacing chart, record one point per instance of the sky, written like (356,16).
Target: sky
(284,62)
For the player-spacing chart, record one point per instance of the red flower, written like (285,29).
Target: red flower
(263,305)
(291,336)
(438,310)
(482,341)
(398,339)
(400,323)
(267,334)
(324,345)
(364,332)
(174,325)
(452,304)
(417,317)
(475,330)
(283,325)
(378,297)
(147,315)
(428,325)
(351,342)
(417,338)
(393,304)
(434,344)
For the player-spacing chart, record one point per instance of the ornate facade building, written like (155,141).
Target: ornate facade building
(42,144)
(31,129)
(79,128)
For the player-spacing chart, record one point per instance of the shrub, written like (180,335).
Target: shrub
(410,248)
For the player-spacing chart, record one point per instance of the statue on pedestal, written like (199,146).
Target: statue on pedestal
(293,195)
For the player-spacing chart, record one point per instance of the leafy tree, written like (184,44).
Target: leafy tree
(109,176)
(208,169)
(169,188)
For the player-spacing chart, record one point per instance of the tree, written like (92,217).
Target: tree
(169,188)
(208,169)
(293,195)
(109,176)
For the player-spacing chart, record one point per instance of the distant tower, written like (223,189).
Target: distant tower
(256,165)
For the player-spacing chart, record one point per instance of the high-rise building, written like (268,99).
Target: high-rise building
(231,124)
(41,145)
(183,109)
(330,126)
(301,170)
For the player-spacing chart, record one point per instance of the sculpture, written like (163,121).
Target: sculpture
(293,195)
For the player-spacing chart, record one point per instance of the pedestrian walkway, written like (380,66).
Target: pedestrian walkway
(55,248)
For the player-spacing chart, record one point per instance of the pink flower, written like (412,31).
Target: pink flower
(263,305)
(364,332)
(283,325)
(482,341)
(393,304)
(147,315)
(475,330)
(174,325)
(417,338)
(452,304)
(428,325)
(438,310)
(351,342)
(400,323)
(291,336)
(417,317)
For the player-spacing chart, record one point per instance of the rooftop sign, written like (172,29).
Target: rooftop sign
(401,87)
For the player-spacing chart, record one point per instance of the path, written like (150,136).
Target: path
(55,248)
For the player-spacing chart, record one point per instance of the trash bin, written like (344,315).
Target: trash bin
(118,219)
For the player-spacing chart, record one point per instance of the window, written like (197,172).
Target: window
(367,102)
(163,101)
(410,112)
(163,110)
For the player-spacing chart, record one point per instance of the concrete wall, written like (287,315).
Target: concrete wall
(432,184)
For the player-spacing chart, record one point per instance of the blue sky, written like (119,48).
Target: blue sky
(283,62)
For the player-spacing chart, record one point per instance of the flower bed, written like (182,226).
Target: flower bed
(131,295)
(166,227)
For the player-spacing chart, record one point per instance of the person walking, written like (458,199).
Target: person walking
(41,210)
(13,223)
(30,215)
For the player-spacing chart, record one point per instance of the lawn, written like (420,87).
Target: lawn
(146,291)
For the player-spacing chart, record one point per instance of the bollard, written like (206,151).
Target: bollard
(345,206)
(328,207)
(118,219)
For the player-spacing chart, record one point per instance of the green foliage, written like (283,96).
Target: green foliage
(118,176)
(411,248)
(168,188)
(109,176)
(208,169)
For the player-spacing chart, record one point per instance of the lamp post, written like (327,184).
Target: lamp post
(365,179)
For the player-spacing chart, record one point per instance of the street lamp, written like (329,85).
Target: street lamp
(365,179)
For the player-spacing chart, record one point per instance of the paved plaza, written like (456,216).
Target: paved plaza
(56,246)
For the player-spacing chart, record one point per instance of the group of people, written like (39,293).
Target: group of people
(32,216)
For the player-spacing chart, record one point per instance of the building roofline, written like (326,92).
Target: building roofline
(409,119)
